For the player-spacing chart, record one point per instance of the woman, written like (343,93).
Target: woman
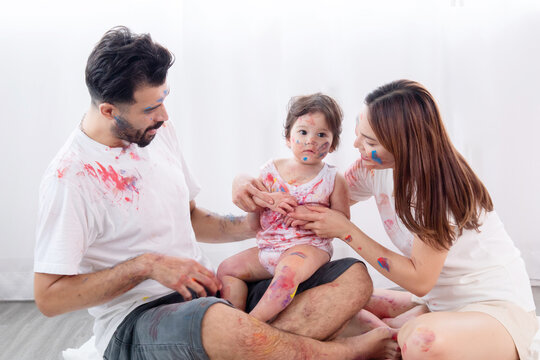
(470,295)
(456,254)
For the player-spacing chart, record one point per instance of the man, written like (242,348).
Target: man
(116,234)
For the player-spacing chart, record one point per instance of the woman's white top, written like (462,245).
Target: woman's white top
(481,265)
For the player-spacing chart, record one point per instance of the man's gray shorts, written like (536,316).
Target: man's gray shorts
(170,328)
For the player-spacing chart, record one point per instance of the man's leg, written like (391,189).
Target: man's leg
(321,311)
(231,334)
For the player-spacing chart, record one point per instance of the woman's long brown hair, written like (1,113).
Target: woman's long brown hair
(436,191)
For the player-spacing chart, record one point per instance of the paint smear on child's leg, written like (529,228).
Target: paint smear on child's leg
(298,253)
(284,286)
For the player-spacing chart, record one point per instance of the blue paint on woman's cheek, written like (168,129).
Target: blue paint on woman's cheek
(375,157)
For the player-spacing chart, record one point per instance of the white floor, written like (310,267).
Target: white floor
(25,334)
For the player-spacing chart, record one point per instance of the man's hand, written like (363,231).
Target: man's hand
(181,274)
(250,194)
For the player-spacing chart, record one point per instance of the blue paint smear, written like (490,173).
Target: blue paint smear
(305,159)
(375,157)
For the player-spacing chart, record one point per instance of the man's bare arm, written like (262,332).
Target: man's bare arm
(213,228)
(58,294)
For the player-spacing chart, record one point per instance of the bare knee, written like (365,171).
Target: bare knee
(418,340)
(228,267)
(230,334)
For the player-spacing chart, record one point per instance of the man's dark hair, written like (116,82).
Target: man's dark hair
(121,62)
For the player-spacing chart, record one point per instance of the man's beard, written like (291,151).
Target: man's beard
(123,130)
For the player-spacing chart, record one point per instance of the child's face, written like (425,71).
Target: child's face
(310,139)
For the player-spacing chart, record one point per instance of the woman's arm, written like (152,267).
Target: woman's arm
(417,274)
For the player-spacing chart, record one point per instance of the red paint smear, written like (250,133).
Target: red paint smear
(127,199)
(285,281)
(383,262)
(90,170)
(312,191)
(60,173)
(283,286)
(426,337)
(348,238)
(134,156)
(109,175)
(388,224)
(270,178)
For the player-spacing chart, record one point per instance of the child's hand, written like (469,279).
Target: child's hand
(289,221)
(283,202)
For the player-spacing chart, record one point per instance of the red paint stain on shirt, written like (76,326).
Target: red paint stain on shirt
(60,172)
(134,156)
(108,175)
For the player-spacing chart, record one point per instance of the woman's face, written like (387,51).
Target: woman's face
(374,155)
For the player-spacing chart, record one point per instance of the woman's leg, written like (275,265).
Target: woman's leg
(295,265)
(456,335)
(234,271)
(385,308)
(389,303)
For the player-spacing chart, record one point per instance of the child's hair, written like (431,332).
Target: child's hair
(308,104)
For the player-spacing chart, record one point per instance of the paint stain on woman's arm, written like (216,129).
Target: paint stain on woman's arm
(383,262)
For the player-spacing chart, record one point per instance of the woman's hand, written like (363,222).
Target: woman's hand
(324,222)
(300,211)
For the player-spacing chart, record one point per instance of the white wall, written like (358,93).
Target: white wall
(239,62)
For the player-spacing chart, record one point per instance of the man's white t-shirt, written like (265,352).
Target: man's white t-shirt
(480,266)
(100,206)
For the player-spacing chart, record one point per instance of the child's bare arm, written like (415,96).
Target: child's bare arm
(339,200)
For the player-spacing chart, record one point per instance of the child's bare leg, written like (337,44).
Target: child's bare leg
(234,271)
(295,265)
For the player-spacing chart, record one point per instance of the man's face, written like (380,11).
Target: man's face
(138,123)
